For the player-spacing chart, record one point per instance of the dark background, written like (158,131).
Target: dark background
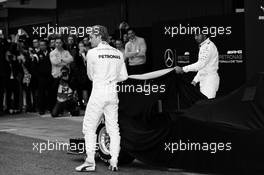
(144,15)
(254,37)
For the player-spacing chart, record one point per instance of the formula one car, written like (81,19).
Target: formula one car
(227,131)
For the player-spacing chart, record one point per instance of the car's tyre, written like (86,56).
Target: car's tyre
(103,143)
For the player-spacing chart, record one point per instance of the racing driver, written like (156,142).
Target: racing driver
(105,67)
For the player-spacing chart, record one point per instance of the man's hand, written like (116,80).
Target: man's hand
(178,70)
(193,83)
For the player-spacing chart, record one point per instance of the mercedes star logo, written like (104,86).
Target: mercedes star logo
(168,58)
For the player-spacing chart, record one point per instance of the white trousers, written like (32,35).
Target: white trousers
(101,102)
(209,85)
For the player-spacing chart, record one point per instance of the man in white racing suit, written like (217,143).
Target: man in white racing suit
(105,67)
(206,67)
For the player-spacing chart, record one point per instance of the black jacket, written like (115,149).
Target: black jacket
(78,72)
(43,66)
(15,68)
(3,62)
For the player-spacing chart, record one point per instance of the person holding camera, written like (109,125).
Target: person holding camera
(65,96)
(79,78)
(27,59)
(14,70)
(58,58)
(3,70)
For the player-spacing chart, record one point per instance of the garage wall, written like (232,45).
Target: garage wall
(106,13)
(21,17)
(110,13)
(254,37)
(144,13)
(69,13)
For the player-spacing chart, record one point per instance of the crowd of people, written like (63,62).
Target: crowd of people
(49,75)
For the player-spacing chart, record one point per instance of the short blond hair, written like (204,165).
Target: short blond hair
(99,30)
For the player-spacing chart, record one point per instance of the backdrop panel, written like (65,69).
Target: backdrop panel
(254,25)
(175,39)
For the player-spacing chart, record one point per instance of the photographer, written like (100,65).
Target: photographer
(24,60)
(31,64)
(58,58)
(79,76)
(14,69)
(3,70)
(65,96)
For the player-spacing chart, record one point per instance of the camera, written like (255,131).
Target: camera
(64,74)
(65,71)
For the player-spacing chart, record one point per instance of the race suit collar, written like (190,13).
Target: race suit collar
(103,43)
(205,41)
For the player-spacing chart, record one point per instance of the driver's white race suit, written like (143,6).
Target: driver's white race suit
(105,67)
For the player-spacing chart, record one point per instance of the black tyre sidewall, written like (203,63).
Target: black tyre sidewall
(124,157)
